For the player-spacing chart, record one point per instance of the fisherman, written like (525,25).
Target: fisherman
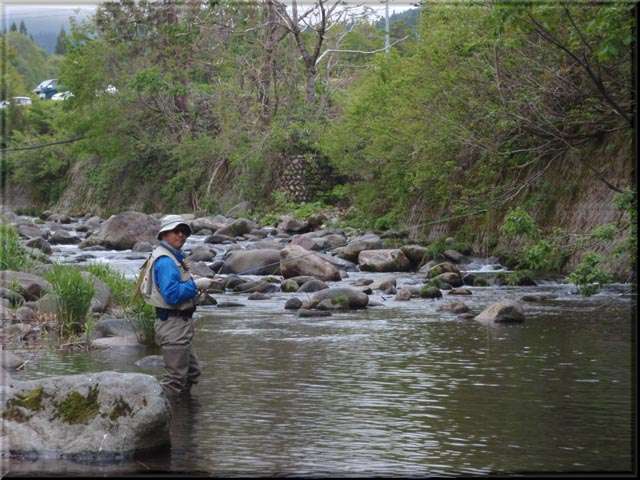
(165,283)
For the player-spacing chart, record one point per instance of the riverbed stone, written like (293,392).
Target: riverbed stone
(295,261)
(403,295)
(218,238)
(506,311)
(305,313)
(202,253)
(212,223)
(41,244)
(340,263)
(443,267)
(460,291)
(123,230)
(200,269)
(289,285)
(542,297)
(30,230)
(454,256)
(415,253)
(449,278)
(352,249)
(86,417)
(236,228)
(293,304)
(114,327)
(14,297)
(229,304)
(253,286)
(344,297)
(101,293)
(258,296)
(363,282)
(383,260)
(31,287)
(127,341)
(25,315)
(150,361)
(143,246)
(313,285)
(430,292)
(254,262)
(290,224)
(9,360)
(59,218)
(455,307)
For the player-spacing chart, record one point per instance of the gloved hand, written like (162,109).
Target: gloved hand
(203,283)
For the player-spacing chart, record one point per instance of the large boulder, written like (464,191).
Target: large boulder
(343,298)
(9,360)
(30,230)
(236,228)
(254,262)
(450,278)
(295,261)
(31,287)
(440,268)
(506,311)
(386,260)
(291,225)
(87,417)
(212,223)
(358,244)
(339,263)
(101,293)
(124,230)
(454,256)
(41,244)
(202,253)
(113,327)
(415,253)
(313,285)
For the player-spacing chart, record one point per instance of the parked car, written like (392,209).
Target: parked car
(21,100)
(4,104)
(62,96)
(47,89)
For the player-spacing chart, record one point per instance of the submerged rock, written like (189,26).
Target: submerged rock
(305,313)
(87,417)
(506,311)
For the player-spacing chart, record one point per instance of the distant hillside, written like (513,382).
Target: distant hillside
(31,61)
(409,17)
(44,24)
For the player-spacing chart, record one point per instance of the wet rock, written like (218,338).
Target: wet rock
(353,249)
(150,361)
(312,285)
(295,261)
(339,263)
(505,311)
(200,269)
(538,298)
(258,296)
(267,244)
(415,253)
(47,305)
(293,304)
(455,307)
(59,218)
(218,238)
(260,286)
(449,278)
(128,341)
(454,256)
(83,257)
(460,291)
(41,244)
(469,279)
(232,281)
(236,228)
(123,230)
(345,298)
(430,292)
(202,253)
(343,275)
(229,304)
(384,283)
(219,267)
(254,262)
(9,360)
(443,267)
(362,282)
(207,299)
(289,285)
(89,417)
(404,294)
(306,242)
(467,316)
(383,260)
(114,327)
(374,304)
(316,220)
(143,246)
(31,287)
(93,223)
(62,237)
(304,313)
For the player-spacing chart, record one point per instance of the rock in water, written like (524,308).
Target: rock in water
(254,262)
(502,312)
(124,230)
(293,304)
(296,261)
(345,298)
(151,361)
(88,417)
(383,260)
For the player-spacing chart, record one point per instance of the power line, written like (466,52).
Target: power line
(42,145)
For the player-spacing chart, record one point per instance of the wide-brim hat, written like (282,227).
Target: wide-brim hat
(171,222)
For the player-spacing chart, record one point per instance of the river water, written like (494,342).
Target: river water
(399,389)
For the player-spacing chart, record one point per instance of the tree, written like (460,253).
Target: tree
(61,41)
(14,27)
(23,28)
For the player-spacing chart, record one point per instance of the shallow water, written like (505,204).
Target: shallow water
(399,389)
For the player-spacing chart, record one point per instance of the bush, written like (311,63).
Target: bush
(518,222)
(13,256)
(588,276)
(74,298)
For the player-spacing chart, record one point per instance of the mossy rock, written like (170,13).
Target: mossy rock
(76,408)
(120,409)
(17,407)
(480,282)
(430,292)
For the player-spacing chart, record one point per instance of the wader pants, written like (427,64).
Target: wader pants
(175,335)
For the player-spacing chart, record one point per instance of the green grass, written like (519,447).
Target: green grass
(74,298)
(12,254)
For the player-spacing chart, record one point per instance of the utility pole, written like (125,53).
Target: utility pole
(387,46)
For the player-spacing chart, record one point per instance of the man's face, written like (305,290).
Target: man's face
(176,237)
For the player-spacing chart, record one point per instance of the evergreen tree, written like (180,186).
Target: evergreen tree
(23,28)
(61,42)
(14,27)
